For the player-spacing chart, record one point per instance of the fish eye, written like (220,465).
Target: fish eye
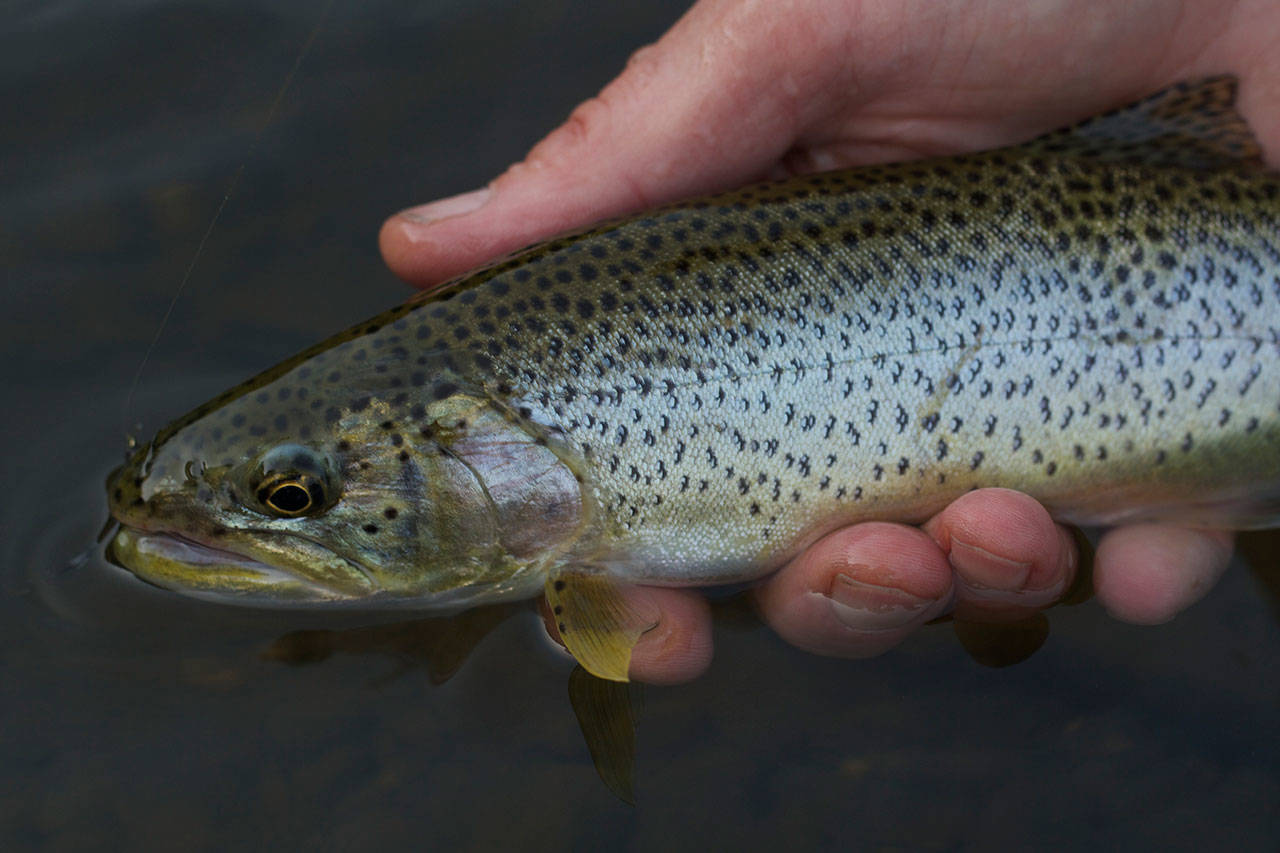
(291,496)
(291,481)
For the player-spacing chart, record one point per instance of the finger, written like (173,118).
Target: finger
(859,591)
(1009,557)
(701,110)
(1148,573)
(677,649)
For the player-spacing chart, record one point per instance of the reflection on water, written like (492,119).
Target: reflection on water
(131,718)
(1260,551)
(439,645)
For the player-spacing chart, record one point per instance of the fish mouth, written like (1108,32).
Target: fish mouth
(184,565)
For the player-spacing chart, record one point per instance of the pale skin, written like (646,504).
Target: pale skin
(740,90)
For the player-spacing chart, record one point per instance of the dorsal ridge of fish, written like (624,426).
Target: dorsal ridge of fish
(1193,124)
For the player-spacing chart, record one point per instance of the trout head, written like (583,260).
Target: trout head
(265,497)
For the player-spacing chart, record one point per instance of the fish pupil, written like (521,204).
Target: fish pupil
(290,498)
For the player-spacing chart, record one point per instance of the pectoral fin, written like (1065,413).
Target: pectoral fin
(597,622)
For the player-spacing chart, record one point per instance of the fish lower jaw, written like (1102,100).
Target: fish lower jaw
(199,570)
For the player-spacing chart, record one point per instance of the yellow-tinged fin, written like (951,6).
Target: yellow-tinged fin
(1193,124)
(606,716)
(598,624)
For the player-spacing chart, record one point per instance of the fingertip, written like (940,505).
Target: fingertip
(1010,558)
(430,243)
(679,647)
(397,250)
(1147,574)
(859,591)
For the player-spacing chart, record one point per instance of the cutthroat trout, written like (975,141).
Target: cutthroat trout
(693,395)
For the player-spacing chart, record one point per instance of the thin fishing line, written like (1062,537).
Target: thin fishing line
(226,197)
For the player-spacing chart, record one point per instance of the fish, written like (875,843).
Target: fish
(693,395)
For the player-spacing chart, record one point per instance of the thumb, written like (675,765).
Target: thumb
(712,105)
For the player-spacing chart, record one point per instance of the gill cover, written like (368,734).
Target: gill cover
(496,495)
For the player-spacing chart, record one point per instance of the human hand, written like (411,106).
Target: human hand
(739,91)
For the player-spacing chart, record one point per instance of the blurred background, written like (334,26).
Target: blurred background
(134,719)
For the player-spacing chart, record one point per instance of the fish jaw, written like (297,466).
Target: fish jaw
(194,570)
(181,564)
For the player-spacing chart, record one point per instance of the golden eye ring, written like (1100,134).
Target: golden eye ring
(291,481)
(291,496)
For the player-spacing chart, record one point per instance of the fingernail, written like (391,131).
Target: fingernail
(980,570)
(447,208)
(873,608)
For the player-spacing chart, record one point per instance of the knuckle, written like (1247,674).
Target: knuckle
(642,66)
(589,120)
(591,123)
(582,132)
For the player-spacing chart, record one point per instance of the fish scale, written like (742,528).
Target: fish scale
(693,395)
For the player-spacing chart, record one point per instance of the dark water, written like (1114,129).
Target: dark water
(132,719)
